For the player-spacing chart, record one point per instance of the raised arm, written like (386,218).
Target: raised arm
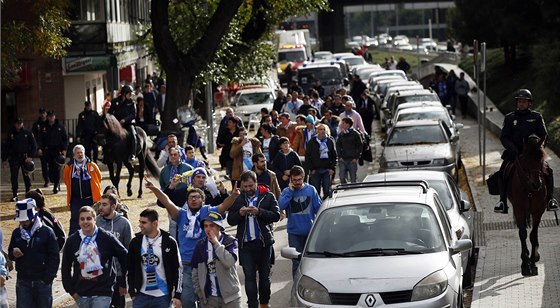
(228,202)
(171,208)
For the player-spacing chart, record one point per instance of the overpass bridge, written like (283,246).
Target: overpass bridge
(331,25)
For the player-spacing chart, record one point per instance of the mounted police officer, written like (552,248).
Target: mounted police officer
(20,149)
(36,129)
(86,130)
(53,143)
(518,125)
(124,109)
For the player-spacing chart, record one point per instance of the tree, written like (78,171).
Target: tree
(38,30)
(209,40)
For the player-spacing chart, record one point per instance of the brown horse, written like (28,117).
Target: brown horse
(527,193)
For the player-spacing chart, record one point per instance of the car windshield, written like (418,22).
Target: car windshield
(354,61)
(327,75)
(417,98)
(289,56)
(364,74)
(422,134)
(442,115)
(375,230)
(246,99)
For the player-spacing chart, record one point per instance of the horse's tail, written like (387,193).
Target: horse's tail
(152,167)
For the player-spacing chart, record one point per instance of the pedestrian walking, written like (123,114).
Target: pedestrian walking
(286,128)
(225,137)
(215,276)
(462,89)
(332,122)
(47,217)
(190,231)
(320,160)
(253,213)
(349,149)
(37,130)
(264,175)
(155,273)
(242,149)
(86,130)
(114,222)
(304,134)
(83,184)
(88,261)
(450,87)
(34,249)
(301,202)
(284,161)
(53,143)
(366,109)
(349,112)
(269,141)
(19,151)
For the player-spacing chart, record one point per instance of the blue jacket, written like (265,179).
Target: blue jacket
(40,258)
(301,207)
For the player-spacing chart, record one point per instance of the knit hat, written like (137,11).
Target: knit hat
(26,210)
(215,218)
(309,119)
(198,171)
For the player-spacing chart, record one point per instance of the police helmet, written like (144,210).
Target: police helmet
(29,166)
(60,160)
(126,89)
(524,94)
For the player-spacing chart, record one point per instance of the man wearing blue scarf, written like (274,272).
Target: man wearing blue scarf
(320,160)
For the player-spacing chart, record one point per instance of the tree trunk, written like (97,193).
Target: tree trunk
(179,85)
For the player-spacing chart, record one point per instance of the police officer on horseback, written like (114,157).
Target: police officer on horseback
(124,109)
(516,127)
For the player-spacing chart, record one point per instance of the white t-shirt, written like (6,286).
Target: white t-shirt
(266,148)
(158,278)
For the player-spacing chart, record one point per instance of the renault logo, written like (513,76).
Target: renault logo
(370,300)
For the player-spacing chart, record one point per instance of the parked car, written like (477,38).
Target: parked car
(420,144)
(425,112)
(380,244)
(328,73)
(453,199)
(401,95)
(322,55)
(354,60)
(248,101)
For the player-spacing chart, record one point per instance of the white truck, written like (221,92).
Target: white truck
(293,47)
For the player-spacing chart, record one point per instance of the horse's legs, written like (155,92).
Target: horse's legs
(534,238)
(130,169)
(142,167)
(114,179)
(525,262)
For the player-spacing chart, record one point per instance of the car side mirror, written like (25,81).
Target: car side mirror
(459,125)
(290,253)
(465,206)
(460,246)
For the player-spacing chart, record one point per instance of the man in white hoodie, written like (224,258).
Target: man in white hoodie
(113,222)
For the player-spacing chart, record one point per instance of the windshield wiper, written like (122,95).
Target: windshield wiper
(325,253)
(382,252)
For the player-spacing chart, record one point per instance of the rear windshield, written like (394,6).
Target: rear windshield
(324,74)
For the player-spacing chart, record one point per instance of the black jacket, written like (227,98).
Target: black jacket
(123,110)
(109,247)
(37,127)
(269,212)
(313,160)
(50,221)
(88,122)
(273,146)
(53,137)
(171,263)
(349,145)
(518,125)
(40,257)
(282,162)
(20,144)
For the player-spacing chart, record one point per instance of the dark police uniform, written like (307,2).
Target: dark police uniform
(20,146)
(88,122)
(125,109)
(53,141)
(37,129)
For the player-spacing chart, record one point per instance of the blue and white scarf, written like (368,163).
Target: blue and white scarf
(308,135)
(247,154)
(80,168)
(173,172)
(193,229)
(89,256)
(252,227)
(323,148)
(27,235)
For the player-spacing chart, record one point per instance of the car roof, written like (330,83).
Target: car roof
(416,123)
(423,109)
(419,104)
(428,175)
(413,92)
(380,192)
(255,89)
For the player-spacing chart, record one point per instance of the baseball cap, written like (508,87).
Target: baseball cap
(215,218)
(18,120)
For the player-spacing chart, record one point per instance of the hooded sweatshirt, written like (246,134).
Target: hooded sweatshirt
(301,206)
(121,228)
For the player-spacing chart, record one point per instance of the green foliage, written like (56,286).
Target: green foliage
(41,35)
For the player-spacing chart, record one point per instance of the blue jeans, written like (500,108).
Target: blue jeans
(147,301)
(323,180)
(346,166)
(94,301)
(33,294)
(298,242)
(188,298)
(254,257)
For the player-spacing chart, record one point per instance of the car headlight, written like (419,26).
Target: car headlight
(312,291)
(439,162)
(431,286)
(392,164)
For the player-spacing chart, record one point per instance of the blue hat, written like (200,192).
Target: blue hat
(215,218)
(26,210)
(310,119)
(198,171)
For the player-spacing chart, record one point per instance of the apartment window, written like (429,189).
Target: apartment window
(88,10)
